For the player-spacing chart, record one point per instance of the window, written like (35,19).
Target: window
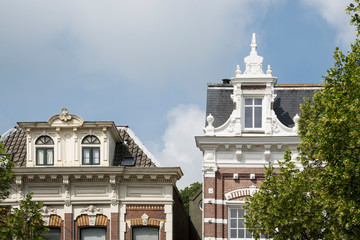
(91,150)
(145,233)
(237,228)
(93,233)
(44,151)
(253,112)
(54,233)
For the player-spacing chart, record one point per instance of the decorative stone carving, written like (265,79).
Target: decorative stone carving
(19,184)
(209,130)
(92,211)
(113,190)
(65,116)
(66,184)
(46,212)
(144,219)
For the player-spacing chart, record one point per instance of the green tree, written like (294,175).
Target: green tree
(22,223)
(189,192)
(323,200)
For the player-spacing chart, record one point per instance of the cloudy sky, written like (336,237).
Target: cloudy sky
(146,63)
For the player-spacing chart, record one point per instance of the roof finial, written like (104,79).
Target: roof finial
(238,71)
(253,44)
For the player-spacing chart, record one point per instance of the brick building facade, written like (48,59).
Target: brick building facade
(251,121)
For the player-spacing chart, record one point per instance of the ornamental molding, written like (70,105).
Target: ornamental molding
(91,211)
(241,192)
(65,120)
(46,212)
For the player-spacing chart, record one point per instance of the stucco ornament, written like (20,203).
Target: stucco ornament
(91,211)
(144,219)
(65,116)
(209,130)
(46,212)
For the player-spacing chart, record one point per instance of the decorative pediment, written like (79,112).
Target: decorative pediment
(65,119)
(241,192)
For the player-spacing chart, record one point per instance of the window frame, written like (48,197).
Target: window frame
(91,158)
(138,227)
(90,143)
(244,227)
(253,106)
(40,145)
(93,227)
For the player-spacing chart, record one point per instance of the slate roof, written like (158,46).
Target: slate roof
(15,144)
(286,105)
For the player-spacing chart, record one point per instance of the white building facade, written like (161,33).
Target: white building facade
(96,180)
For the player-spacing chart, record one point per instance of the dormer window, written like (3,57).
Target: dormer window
(253,112)
(44,151)
(90,150)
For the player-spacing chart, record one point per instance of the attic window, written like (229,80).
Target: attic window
(90,139)
(253,112)
(90,150)
(44,151)
(128,161)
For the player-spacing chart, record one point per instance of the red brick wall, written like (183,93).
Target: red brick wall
(153,211)
(222,184)
(114,226)
(68,226)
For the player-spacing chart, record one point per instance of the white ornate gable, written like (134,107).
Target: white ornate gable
(65,120)
(253,83)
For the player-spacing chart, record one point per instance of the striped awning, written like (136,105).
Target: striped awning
(83,220)
(55,221)
(151,221)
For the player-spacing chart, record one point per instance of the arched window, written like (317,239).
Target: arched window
(44,151)
(90,150)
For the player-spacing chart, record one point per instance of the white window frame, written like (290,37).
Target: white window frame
(253,106)
(237,206)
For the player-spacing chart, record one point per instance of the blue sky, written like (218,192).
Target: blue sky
(146,63)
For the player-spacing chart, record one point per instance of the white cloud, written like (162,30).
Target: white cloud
(333,11)
(138,40)
(184,123)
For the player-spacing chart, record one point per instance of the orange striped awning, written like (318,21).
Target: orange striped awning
(83,220)
(151,221)
(55,221)
(100,220)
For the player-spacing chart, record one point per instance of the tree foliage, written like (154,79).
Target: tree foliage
(323,200)
(20,223)
(188,192)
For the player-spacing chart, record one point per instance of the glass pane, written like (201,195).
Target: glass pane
(93,234)
(50,156)
(233,213)
(233,223)
(40,156)
(96,156)
(53,234)
(248,234)
(258,117)
(145,233)
(86,156)
(233,233)
(240,233)
(248,117)
(258,101)
(248,101)
(241,212)
(241,223)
